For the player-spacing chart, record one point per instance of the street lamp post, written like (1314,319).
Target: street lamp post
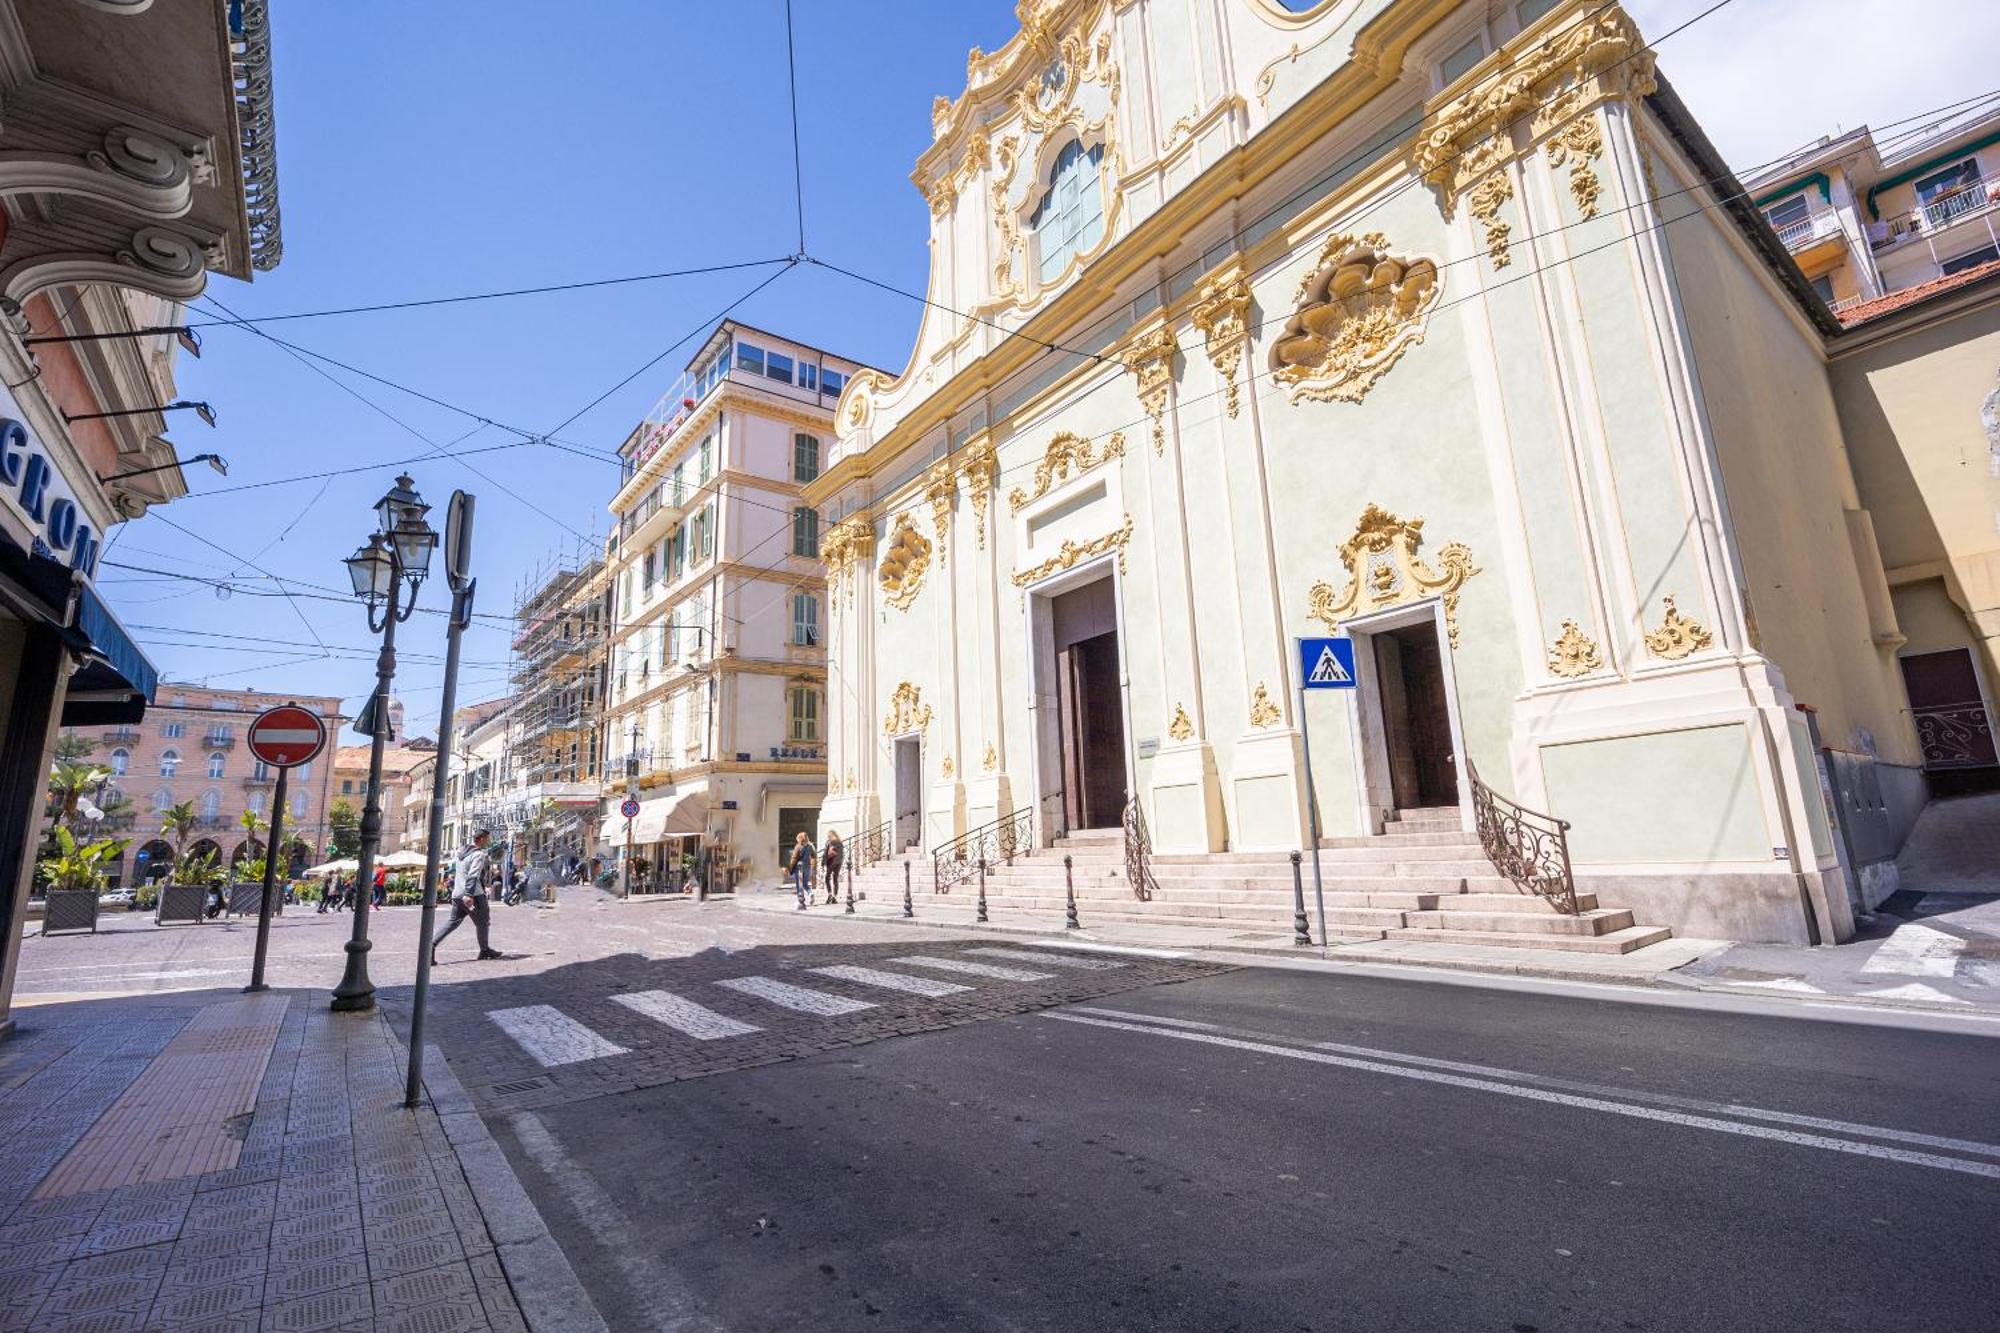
(397,553)
(631,789)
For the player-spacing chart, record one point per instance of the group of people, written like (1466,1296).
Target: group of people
(341,892)
(804,856)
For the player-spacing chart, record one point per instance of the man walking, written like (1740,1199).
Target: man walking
(469,896)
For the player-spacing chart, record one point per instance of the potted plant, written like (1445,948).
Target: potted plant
(74,873)
(185,894)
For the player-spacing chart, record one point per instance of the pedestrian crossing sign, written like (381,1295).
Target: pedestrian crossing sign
(1326,664)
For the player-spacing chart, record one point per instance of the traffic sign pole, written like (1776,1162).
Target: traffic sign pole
(282,737)
(1324,664)
(1312,814)
(270,880)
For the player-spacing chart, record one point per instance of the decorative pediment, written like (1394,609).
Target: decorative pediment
(1359,309)
(1384,570)
(1067,453)
(907,711)
(1221,312)
(1150,357)
(900,571)
(1072,553)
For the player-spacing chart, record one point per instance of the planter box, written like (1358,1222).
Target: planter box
(69,910)
(181,905)
(245,899)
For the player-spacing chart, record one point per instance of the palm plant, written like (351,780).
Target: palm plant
(69,782)
(177,822)
(74,865)
(203,869)
(253,824)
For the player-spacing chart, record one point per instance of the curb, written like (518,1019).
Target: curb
(551,1297)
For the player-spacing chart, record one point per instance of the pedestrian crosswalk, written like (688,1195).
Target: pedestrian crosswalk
(550,1037)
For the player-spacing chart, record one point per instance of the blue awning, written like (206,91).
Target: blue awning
(116,682)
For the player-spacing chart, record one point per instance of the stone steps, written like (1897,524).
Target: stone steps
(1617,941)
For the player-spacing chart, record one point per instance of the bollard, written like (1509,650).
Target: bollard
(1301,934)
(1069,887)
(850,889)
(982,888)
(909,908)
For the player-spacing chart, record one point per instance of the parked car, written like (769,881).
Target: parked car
(125,898)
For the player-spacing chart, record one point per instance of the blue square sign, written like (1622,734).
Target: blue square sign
(1326,664)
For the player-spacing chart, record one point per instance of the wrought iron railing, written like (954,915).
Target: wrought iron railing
(1526,846)
(1956,735)
(1138,852)
(871,845)
(996,841)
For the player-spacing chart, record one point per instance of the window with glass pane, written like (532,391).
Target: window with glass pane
(647,570)
(805,713)
(1983,255)
(261,770)
(805,619)
(163,800)
(1950,193)
(170,761)
(708,531)
(749,358)
(1786,212)
(1823,285)
(704,458)
(211,804)
(1530,10)
(805,457)
(678,487)
(1070,218)
(215,764)
(805,531)
(831,382)
(120,761)
(1461,60)
(808,375)
(778,367)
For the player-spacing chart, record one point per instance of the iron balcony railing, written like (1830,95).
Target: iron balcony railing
(1944,209)
(871,845)
(1813,227)
(219,740)
(1526,846)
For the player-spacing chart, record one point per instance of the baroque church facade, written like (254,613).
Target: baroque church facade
(1428,324)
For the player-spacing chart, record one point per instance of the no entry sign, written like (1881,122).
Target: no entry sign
(287,737)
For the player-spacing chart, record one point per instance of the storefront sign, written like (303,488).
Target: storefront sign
(39,495)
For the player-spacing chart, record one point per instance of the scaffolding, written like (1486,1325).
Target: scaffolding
(555,738)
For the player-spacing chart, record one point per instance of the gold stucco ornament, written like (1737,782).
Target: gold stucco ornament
(1677,636)
(1180,728)
(990,761)
(1070,553)
(1384,570)
(1067,453)
(1221,312)
(845,545)
(947,767)
(1573,654)
(901,569)
(907,711)
(1264,713)
(1486,198)
(1359,310)
(1151,359)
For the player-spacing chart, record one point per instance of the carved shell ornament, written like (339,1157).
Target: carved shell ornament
(901,568)
(1384,570)
(1678,636)
(1359,310)
(907,712)
(1573,654)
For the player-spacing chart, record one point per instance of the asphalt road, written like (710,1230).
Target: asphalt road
(1268,1149)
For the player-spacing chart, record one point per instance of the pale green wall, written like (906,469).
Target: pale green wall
(1675,796)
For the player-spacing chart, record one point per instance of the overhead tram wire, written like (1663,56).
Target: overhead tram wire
(798,168)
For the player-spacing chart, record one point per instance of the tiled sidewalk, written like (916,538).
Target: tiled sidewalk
(341,1211)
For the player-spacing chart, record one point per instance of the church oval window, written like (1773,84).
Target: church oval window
(1069,220)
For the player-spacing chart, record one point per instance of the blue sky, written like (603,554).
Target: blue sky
(460,146)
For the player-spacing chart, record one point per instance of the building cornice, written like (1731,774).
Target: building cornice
(728,394)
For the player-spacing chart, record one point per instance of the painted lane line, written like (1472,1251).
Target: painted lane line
(551,1036)
(1737,1109)
(1916,951)
(973,969)
(1914,990)
(1052,959)
(868,976)
(684,1016)
(796,998)
(1131,949)
(1987,1169)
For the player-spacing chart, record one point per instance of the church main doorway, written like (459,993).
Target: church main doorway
(1416,716)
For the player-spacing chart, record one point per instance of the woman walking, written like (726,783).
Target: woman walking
(803,855)
(831,859)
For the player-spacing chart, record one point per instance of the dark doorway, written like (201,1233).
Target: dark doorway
(1953,729)
(1091,712)
(909,812)
(1416,718)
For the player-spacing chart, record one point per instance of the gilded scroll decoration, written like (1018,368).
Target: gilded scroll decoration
(1263,712)
(1151,361)
(901,568)
(941,489)
(947,767)
(1384,570)
(1360,309)
(982,473)
(1678,636)
(907,711)
(852,785)
(1486,198)
(1180,728)
(1573,654)
(1221,312)
(1578,144)
(1068,453)
(845,545)
(989,761)
(1072,553)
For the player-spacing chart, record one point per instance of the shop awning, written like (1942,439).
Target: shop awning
(116,681)
(683,815)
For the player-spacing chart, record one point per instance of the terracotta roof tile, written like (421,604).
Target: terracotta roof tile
(1923,291)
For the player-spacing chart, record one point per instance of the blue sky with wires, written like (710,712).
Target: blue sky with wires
(456,147)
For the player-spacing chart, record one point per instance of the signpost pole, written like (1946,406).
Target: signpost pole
(1324,664)
(1312,814)
(270,877)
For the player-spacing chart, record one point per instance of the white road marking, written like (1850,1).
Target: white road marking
(1789,984)
(868,976)
(795,997)
(551,1036)
(1591,1089)
(1914,990)
(1916,951)
(697,1021)
(1987,1169)
(973,969)
(1052,959)
(1131,949)
(608,1222)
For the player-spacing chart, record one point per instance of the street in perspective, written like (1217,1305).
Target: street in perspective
(1344,679)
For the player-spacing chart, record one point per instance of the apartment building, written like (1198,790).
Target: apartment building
(555,726)
(192,747)
(1866,216)
(716,698)
(399,762)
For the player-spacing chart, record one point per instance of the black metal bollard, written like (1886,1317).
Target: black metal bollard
(1069,886)
(850,889)
(982,888)
(1301,933)
(909,908)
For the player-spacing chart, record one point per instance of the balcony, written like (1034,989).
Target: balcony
(260,779)
(219,740)
(122,736)
(1810,231)
(649,520)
